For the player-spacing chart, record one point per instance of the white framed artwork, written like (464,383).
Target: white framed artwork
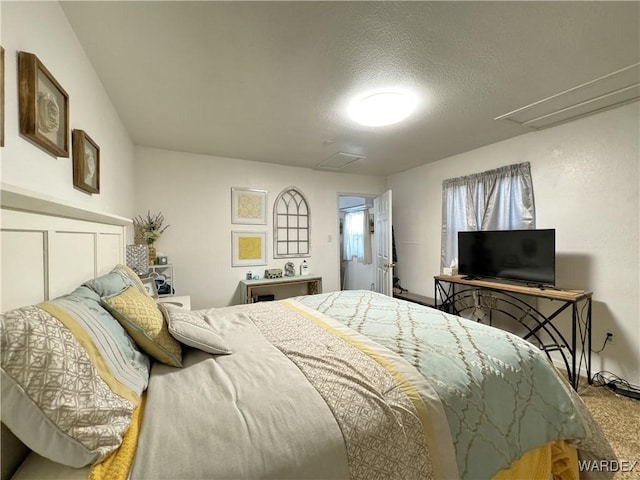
(150,286)
(248,206)
(248,248)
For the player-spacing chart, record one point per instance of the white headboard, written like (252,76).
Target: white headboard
(48,247)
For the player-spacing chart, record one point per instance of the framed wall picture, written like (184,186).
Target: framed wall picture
(86,162)
(248,248)
(149,284)
(43,106)
(248,206)
(1,97)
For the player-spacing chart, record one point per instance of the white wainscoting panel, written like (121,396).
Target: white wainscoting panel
(72,261)
(110,252)
(23,268)
(45,255)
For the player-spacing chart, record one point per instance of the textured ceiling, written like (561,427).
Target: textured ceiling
(270,81)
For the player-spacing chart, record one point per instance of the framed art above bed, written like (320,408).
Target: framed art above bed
(1,96)
(86,162)
(43,106)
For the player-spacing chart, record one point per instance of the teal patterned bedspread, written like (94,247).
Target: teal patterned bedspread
(501,395)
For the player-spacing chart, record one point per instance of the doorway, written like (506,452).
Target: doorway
(357,270)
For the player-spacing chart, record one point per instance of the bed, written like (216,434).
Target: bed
(102,382)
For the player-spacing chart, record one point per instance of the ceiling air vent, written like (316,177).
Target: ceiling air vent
(338,161)
(612,90)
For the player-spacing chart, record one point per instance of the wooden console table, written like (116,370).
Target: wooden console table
(459,294)
(251,288)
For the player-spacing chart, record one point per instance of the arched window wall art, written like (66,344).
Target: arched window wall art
(291,225)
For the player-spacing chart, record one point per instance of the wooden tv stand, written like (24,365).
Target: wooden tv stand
(459,294)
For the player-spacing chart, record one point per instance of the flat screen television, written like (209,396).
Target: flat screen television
(527,256)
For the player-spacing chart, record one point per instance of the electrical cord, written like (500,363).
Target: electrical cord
(604,344)
(583,331)
(617,384)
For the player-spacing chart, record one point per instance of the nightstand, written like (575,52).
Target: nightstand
(183,301)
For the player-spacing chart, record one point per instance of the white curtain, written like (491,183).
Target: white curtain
(357,238)
(500,199)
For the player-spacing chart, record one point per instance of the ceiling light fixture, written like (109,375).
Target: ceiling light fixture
(382,109)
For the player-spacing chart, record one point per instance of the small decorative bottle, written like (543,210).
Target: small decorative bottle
(304,268)
(152,254)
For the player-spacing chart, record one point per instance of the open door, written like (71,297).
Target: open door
(382,241)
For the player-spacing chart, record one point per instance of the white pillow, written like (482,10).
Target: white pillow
(190,329)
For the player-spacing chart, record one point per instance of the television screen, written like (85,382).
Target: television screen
(523,255)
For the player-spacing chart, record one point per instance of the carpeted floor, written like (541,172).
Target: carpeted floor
(619,418)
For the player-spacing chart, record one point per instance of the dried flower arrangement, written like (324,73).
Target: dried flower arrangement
(150,227)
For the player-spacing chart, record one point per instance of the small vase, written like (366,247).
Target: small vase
(152,254)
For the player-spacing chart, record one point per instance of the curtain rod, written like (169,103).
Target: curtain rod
(355,209)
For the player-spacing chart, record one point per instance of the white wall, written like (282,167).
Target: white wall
(194,194)
(358,275)
(586,185)
(42,28)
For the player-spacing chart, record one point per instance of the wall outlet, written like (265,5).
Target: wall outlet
(610,337)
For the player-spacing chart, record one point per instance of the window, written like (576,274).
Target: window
(357,237)
(291,225)
(500,199)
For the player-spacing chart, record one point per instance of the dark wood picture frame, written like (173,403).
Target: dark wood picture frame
(1,97)
(86,162)
(43,106)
